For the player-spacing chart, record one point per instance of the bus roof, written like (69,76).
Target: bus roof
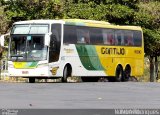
(39,21)
(102,24)
(82,22)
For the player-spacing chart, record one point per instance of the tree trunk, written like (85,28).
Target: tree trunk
(156,67)
(151,69)
(1,50)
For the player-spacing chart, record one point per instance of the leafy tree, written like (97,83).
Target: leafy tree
(3,20)
(3,26)
(148,17)
(114,11)
(32,9)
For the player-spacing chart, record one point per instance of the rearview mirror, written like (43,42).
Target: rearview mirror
(2,40)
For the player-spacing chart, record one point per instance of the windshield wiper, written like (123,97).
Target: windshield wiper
(15,57)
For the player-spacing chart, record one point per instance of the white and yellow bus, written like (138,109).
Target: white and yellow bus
(40,49)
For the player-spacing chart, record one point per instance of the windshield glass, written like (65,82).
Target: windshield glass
(30,29)
(28,48)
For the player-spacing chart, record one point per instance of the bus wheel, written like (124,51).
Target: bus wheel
(127,73)
(32,80)
(119,74)
(65,74)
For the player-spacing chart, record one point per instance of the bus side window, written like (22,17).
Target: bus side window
(137,38)
(69,35)
(108,37)
(83,36)
(128,38)
(119,37)
(96,35)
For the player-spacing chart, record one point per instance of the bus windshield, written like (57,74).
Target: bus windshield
(30,29)
(27,48)
(28,42)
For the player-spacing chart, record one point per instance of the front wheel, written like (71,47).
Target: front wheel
(65,74)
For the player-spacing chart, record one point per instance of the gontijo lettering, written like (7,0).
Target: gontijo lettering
(115,51)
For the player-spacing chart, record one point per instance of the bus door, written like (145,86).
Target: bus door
(55,46)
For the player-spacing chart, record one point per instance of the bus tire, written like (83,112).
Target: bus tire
(119,74)
(31,80)
(65,74)
(127,73)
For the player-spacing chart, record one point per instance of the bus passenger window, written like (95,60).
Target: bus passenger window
(96,36)
(83,36)
(130,41)
(82,40)
(69,35)
(128,38)
(119,37)
(108,37)
(137,38)
(119,40)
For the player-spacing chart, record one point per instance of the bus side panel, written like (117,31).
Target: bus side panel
(111,56)
(90,60)
(84,60)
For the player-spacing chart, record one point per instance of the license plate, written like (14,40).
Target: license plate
(25,72)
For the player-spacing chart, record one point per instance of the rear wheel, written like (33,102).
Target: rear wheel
(31,80)
(127,73)
(119,74)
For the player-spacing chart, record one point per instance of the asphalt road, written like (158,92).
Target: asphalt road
(101,95)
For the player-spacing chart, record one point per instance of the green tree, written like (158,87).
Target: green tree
(114,11)
(3,26)
(3,20)
(148,17)
(32,9)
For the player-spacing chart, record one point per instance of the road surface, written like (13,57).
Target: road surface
(100,95)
